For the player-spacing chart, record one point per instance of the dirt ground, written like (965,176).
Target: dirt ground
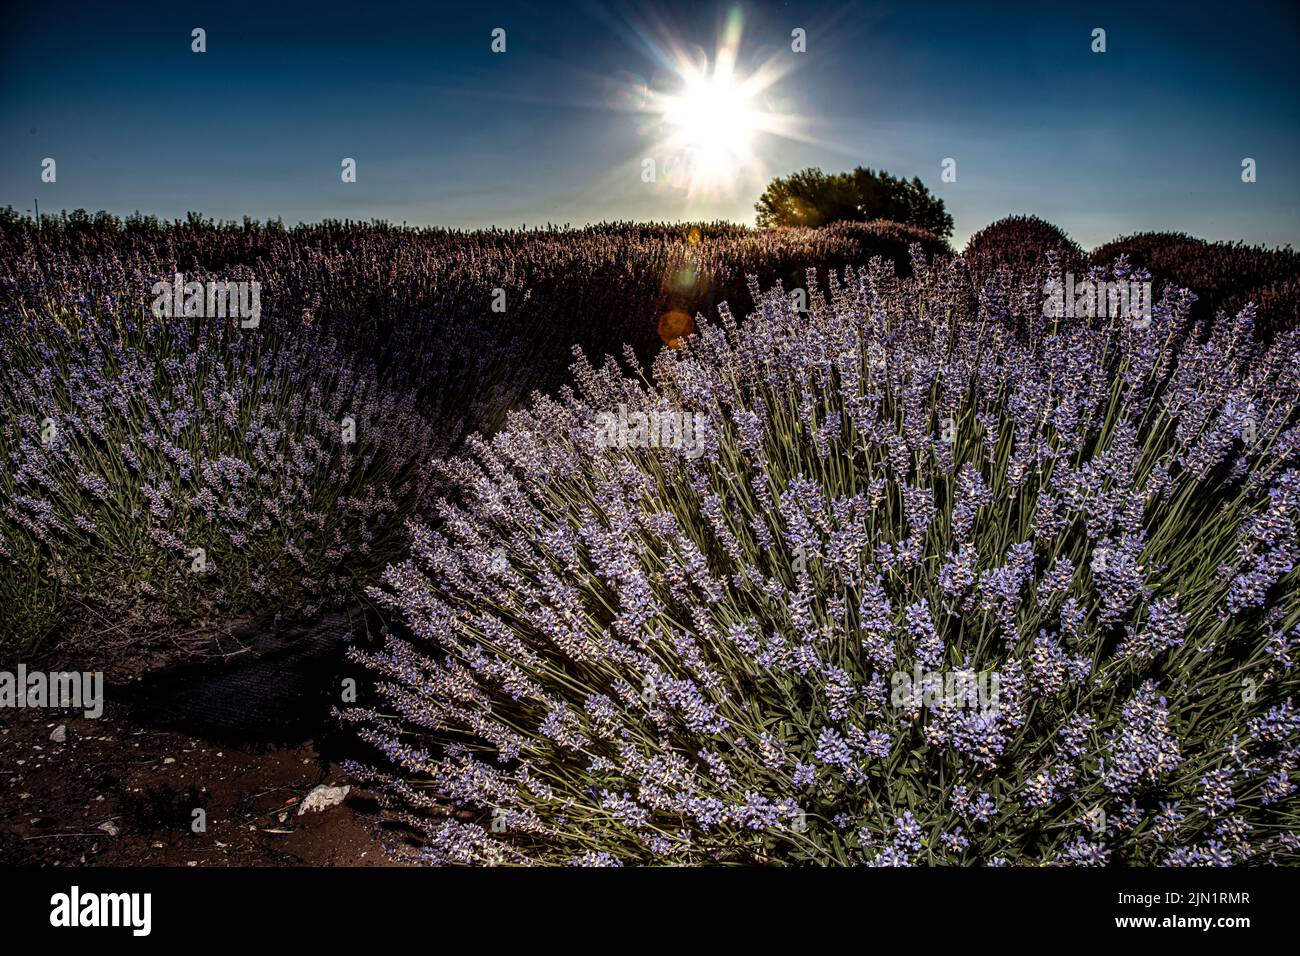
(122,789)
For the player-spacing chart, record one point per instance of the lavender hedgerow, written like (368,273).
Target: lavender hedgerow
(159,470)
(1224,275)
(895,483)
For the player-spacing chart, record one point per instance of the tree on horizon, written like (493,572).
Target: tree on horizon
(812,197)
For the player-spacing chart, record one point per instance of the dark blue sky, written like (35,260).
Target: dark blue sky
(1149,135)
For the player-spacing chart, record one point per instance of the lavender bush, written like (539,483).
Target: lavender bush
(628,655)
(1224,275)
(159,470)
(1021,245)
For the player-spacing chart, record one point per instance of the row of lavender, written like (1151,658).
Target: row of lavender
(1225,276)
(940,582)
(159,468)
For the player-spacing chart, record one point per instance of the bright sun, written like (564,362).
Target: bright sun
(711,119)
(715,120)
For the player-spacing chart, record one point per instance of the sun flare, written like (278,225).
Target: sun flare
(710,115)
(715,120)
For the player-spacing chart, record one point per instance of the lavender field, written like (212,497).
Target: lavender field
(546,468)
(932,574)
(292,452)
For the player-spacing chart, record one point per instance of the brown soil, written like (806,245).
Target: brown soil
(114,792)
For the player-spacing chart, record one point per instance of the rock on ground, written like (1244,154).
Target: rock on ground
(323,797)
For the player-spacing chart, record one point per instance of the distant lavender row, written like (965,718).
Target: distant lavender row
(619,653)
(1223,275)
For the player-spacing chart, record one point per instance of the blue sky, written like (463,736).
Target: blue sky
(1148,135)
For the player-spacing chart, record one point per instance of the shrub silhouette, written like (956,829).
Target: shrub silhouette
(1020,243)
(811,197)
(1223,275)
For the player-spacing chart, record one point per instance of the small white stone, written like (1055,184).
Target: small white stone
(323,797)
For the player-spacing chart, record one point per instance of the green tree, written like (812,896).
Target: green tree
(808,198)
(814,198)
